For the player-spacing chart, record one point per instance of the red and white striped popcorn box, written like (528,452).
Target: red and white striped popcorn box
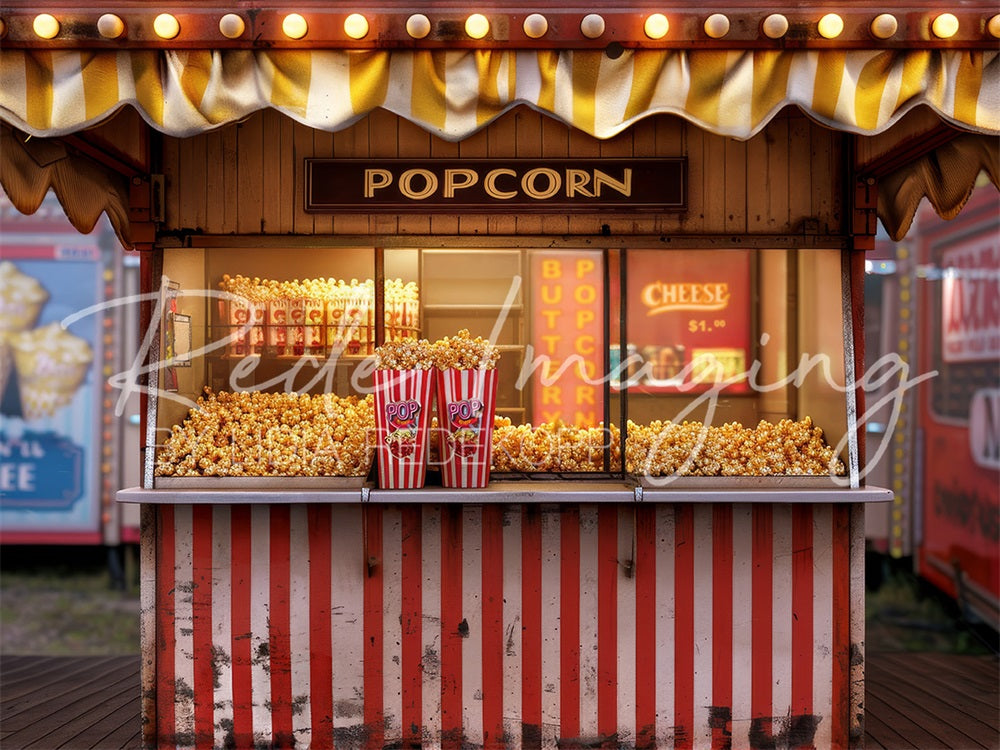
(403,401)
(467,401)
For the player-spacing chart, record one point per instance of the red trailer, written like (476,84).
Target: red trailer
(934,301)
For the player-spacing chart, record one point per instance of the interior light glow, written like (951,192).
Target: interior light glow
(294,26)
(717,25)
(477,26)
(656,26)
(945,26)
(232,26)
(356,26)
(46,26)
(830,26)
(110,26)
(166,26)
(592,26)
(535,26)
(775,26)
(418,26)
(884,26)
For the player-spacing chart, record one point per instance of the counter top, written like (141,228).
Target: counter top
(527,491)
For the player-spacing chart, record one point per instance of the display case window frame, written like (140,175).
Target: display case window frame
(609,252)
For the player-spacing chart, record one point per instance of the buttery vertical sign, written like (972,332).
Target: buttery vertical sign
(568,336)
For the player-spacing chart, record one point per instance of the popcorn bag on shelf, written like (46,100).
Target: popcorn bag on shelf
(403,417)
(466,406)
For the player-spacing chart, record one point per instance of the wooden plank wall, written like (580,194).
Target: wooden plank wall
(247,179)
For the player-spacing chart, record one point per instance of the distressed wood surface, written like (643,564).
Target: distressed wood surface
(247,179)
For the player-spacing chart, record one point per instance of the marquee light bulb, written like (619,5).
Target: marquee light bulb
(110,26)
(884,26)
(775,26)
(656,26)
(294,26)
(592,26)
(46,26)
(945,26)
(535,26)
(166,26)
(418,26)
(232,26)
(993,26)
(717,25)
(830,26)
(477,26)
(356,26)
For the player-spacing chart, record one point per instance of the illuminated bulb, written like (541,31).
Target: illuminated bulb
(830,26)
(993,26)
(46,26)
(775,26)
(294,26)
(535,26)
(884,26)
(717,26)
(477,26)
(110,26)
(232,26)
(3,27)
(592,26)
(418,26)
(945,26)
(166,26)
(656,26)
(356,26)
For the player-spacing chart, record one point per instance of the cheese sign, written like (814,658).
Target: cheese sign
(689,316)
(540,185)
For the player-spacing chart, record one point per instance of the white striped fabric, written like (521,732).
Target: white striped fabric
(654,625)
(454,93)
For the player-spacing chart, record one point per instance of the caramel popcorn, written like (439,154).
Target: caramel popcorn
(462,352)
(271,434)
(553,447)
(693,449)
(404,354)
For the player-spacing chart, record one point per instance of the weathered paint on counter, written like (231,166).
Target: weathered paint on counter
(666,625)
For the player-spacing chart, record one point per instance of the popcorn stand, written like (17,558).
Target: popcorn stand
(503,371)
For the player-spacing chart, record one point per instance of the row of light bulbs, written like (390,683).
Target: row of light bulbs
(477,26)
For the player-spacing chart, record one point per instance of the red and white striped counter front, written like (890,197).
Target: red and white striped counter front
(518,616)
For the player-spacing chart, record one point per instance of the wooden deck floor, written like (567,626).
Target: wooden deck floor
(922,701)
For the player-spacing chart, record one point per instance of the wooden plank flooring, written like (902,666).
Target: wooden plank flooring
(71,702)
(919,701)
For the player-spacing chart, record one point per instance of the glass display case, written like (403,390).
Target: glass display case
(699,362)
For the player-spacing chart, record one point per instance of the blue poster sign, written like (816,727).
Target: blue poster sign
(50,389)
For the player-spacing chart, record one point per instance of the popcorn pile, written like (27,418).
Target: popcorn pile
(460,352)
(405,354)
(794,448)
(553,447)
(252,434)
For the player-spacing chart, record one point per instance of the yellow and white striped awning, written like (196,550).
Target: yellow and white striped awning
(453,93)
